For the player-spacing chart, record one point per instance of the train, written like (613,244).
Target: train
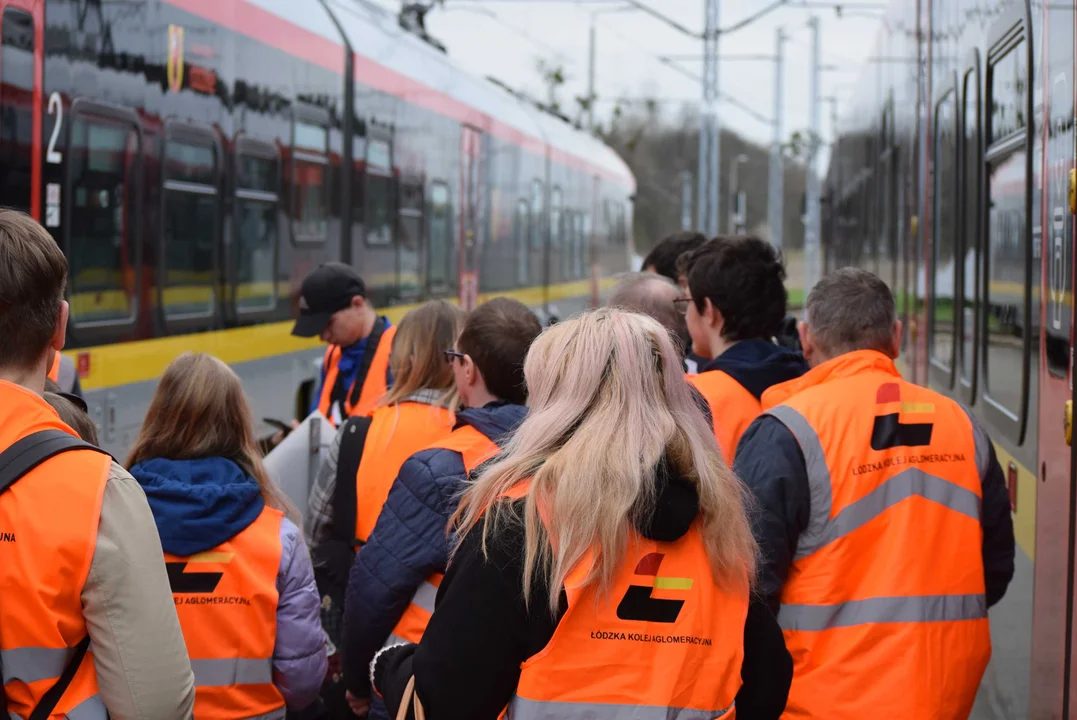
(952,176)
(194,159)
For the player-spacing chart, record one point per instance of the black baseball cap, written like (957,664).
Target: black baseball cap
(326,290)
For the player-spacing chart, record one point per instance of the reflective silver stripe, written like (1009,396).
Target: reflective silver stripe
(89,709)
(30,664)
(524,709)
(904,485)
(278,714)
(818,478)
(425,596)
(983,444)
(223,672)
(911,609)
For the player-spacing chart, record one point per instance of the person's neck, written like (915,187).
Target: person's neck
(369,321)
(32,379)
(719,345)
(481,397)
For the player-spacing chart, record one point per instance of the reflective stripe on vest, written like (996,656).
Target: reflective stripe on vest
(386,450)
(373,387)
(894,478)
(44,562)
(226,600)
(475,449)
(521,709)
(732,408)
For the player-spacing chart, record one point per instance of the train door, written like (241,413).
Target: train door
(470,216)
(21,52)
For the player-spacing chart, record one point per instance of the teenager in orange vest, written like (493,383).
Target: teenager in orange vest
(736,305)
(605,562)
(396,573)
(238,568)
(884,521)
(355,370)
(80,561)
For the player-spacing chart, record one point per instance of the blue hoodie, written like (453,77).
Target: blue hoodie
(758,364)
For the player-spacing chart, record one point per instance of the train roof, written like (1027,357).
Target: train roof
(393,60)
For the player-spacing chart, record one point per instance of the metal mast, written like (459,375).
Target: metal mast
(776,189)
(709,127)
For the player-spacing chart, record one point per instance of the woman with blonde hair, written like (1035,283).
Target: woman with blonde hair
(240,572)
(605,560)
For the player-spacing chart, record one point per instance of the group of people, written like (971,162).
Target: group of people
(667,507)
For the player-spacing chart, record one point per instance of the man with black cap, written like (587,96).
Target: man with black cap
(355,371)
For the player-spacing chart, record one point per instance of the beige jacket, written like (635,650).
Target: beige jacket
(143,672)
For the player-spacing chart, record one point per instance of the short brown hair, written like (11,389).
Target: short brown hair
(33,275)
(849,310)
(73,416)
(497,336)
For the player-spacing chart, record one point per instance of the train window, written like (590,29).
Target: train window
(439,254)
(1007,254)
(409,237)
(102,161)
(537,210)
(942,272)
(256,228)
(191,219)
(556,202)
(570,240)
(310,180)
(970,231)
(378,193)
(583,232)
(523,230)
(16,108)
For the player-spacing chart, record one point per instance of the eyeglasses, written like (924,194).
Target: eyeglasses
(682,304)
(451,355)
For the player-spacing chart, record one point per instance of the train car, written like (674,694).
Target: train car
(952,177)
(196,158)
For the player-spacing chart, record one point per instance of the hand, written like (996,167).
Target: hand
(359,706)
(278,438)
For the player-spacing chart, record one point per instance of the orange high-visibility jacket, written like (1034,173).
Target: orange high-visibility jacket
(373,387)
(54,369)
(884,610)
(475,449)
(395,434)
(732,408)
(226,600)
(668,642)
(48,533)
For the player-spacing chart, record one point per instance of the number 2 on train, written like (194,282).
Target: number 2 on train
(56,107)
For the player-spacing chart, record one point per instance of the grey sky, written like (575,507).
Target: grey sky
(557,30)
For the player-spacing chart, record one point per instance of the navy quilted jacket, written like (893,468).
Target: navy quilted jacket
(409,542)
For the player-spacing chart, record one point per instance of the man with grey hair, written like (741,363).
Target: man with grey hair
(653,295)
(884,521)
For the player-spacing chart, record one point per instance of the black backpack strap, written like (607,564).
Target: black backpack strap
(352,443)
(16,462)
(371,349)
(51,698)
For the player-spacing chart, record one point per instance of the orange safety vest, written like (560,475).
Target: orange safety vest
(884,610)
(668,642)
(475,449)
(733,408)
(385,451)
(226,600)
(374,385)
(54,369)
(49,533)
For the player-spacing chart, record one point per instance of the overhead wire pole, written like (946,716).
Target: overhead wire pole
(776,188)
(812,225)
(710,149)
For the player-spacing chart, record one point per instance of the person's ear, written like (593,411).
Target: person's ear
(712,316)
(807,342)
(895,340)
(471,370)
(358,302)
(59,334)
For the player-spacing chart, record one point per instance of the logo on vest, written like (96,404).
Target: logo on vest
(638,603)
(184,582)
(889,431)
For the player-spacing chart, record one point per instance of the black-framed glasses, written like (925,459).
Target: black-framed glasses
(682,304)
(451,355)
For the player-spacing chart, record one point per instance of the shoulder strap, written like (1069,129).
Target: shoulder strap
(350,455)
(371,349)
(16,462)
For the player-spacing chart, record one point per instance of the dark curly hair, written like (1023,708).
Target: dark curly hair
(744,278)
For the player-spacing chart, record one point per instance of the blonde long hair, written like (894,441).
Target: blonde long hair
(417,358)
(199,411)
(608,401)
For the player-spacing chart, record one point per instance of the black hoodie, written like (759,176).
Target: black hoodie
(468,663)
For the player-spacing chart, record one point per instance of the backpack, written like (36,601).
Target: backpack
(15,462)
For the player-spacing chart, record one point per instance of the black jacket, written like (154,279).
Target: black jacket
(758,364)
(468,663)
(770,463)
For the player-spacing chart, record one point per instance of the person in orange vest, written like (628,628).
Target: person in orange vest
(605,560)
(395,574)
(239,571)
(355,369)
(85,598)
(736,305)
(884,521)
(367,453)
(63,372)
